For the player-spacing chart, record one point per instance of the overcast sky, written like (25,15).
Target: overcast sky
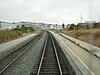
(49,11)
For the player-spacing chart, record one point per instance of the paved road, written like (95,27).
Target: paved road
(86,62)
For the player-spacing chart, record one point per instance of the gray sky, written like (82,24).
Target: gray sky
(49,11)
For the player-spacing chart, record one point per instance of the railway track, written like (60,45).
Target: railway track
(11,58)
(52,61)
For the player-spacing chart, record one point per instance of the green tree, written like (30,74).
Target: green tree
(72,27)
(31,29)
(17,28)
(63,25)
(24,29)
(79,26)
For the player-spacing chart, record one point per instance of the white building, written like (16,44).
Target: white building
(54,26)
(27,24)
(90,22)
(58,26)
(31,24)
(6,25)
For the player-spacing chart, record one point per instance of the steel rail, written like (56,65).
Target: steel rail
(42,56)
(16,58)
(44,49)
(57,56)
(24,43)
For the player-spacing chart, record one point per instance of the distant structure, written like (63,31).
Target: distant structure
(31,24)
(40,25)
(90,22)
(59,26)
(81,18)
(6,25)
(56,26)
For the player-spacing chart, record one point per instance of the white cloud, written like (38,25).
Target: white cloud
(49,11)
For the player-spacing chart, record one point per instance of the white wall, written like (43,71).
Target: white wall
(7,25)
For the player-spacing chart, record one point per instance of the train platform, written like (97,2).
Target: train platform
(86,62)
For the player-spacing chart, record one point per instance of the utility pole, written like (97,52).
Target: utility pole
(81,18)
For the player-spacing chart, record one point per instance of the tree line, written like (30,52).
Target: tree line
(81,26)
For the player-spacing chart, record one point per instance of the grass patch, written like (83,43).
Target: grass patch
(7,34)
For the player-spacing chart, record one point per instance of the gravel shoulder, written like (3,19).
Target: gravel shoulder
(8,46)
(29,59)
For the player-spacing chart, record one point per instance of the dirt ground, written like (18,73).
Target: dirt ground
(91,36)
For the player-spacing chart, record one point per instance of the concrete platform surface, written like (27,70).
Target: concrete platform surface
(86,62)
